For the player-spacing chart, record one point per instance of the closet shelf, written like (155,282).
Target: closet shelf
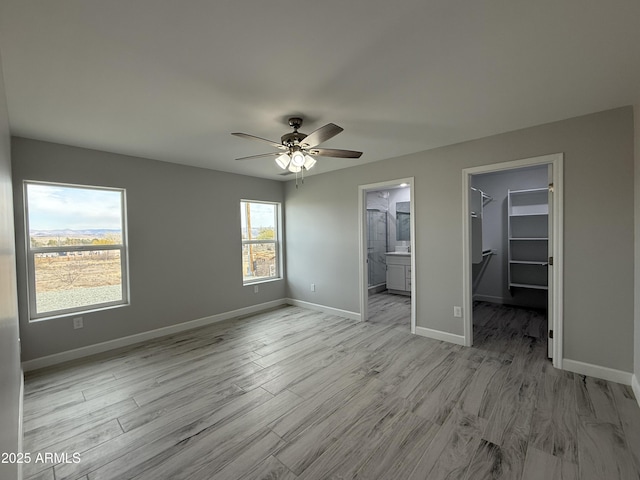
(529,262)
(529,285)
(528,221)
(529,215)
(529,238)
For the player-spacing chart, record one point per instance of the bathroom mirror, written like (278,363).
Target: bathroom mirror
(403,220)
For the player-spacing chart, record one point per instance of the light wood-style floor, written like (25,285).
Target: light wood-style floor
(294,393)
(390,309)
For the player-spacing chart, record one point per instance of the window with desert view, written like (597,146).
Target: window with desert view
(76,248)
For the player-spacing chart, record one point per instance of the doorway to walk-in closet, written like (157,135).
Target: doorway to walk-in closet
(511,258)
(386,254)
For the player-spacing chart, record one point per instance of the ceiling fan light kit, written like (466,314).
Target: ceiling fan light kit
(297,150)
(283,161)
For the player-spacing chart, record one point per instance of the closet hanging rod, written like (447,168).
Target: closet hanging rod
(484,195)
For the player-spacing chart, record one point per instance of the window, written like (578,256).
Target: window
(260,241)
(76,248)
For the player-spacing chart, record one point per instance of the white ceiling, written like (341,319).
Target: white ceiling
(170,80)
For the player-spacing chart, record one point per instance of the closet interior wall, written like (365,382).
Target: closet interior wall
(490,277)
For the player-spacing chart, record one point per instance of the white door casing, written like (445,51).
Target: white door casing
(555,307)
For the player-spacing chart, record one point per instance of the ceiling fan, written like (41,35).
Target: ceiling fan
(297,150)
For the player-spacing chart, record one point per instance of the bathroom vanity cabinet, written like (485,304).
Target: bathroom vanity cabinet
(399,273)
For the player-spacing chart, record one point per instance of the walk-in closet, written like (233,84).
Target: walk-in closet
(510,256)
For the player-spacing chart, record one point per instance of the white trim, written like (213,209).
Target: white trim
(362,249)
(31,252)
(636,387)
(557,160)
(439,335)
(81,352)
(277,242)
(20,423)
(605,373)
(323,308)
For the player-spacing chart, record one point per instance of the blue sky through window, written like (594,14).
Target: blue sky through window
(54,207)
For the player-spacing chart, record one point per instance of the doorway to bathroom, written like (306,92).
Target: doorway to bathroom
(387,233)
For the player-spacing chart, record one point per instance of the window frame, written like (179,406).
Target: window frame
(277,242)
(31,252)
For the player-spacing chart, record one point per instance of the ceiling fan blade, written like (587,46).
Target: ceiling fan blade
(320,135)
(273,154)
(253,137)
(332,152)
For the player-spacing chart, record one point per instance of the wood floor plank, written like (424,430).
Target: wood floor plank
(180,424)
(305,367)
(185,400)
(603,451)
(212,375)
(155,447)
(42,437)
(269,469)
(482,393)
(400,450)
(244,462)
(555,419)
(510,421)
(80,443)
(492,461)
(216,446)
(343,459)
(298,348)
(540,465)
(595,399)
(47,404)
(448,454)
(322,431)
(436,397)
(312,411)
(42,475)
(336,376)
(630,418)
(67,411)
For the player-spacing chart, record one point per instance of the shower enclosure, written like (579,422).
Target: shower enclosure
(376,246)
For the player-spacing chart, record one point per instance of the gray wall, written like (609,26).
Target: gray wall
(637,244)
(322,229)
(493,272)
(184,242)
(10,371)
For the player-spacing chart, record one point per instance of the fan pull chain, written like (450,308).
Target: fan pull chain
(301,177)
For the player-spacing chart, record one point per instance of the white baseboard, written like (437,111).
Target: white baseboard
(323,308)
(438,335)
(141,337)
(488,298)
(597,371)
(636,388)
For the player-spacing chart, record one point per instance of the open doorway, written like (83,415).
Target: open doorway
(513,255)
(386,255)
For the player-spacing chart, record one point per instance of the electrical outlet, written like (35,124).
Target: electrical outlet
(78,323)
(457,311)
(313,287)
(255,289)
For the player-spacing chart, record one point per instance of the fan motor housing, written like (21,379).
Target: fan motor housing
(293,138)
